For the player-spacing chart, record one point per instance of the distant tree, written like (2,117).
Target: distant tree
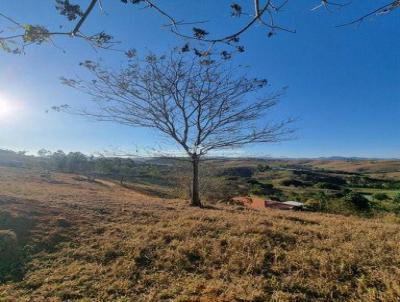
(262,189)
(327,186)
(201,106)
(238,171)
(313,204)
(59,160)
(77,162)
(263,168)
(287,182)
(322,199)
(380,196)
(114,167)
(17,35)
(105,166)
(44,153)
(358,200)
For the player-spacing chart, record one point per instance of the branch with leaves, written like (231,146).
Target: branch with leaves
(37,34)
(256,12)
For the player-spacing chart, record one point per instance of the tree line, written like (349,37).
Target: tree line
(91,166)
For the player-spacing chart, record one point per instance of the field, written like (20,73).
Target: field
(64,238)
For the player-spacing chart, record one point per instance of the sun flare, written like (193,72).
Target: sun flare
(6,107)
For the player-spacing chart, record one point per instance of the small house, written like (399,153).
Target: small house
(287,205)
(261,203)
(295,204)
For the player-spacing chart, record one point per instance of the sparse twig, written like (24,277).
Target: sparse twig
(380,10)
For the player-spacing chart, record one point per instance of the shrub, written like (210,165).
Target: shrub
(253,181)
(216,188)
(8,242)
(258,188)
(357,200)
(313,205)
(263,168)
(238,171)
(278,196)
(380,196)
(291,182)
(328,186)
(316,201)
(397,197)
(342,193)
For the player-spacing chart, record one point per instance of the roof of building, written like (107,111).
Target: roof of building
(294,203)
(259,203)
(278,205)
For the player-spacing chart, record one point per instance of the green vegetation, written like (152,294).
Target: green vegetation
(380,196)
(8,241)
(358,200)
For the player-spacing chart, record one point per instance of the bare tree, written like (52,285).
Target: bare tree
(17,35)
(203,106)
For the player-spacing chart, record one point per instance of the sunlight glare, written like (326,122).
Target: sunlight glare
(6,107)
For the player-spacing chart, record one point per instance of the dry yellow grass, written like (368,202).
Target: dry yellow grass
(101,242)
(366,166)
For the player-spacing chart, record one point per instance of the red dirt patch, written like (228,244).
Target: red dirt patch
(251,202)
(261,203)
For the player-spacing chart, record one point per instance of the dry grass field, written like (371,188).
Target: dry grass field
(390,168)
(63,238)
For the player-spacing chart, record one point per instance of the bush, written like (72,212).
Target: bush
(397,197)
(328,186)
(357,200)
(8,242)
(291,182)
(214,188)
(380,196)
(313,205)
(253,181)
(258,188)
(263,168)
(238,171)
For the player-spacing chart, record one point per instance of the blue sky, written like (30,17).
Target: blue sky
(344,83)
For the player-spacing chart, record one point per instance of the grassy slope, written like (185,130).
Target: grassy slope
(100,242)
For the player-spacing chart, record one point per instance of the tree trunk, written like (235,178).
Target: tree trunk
(195,183)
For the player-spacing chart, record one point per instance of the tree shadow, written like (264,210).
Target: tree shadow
(19,221)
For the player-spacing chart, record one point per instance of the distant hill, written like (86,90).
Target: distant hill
(382,168)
